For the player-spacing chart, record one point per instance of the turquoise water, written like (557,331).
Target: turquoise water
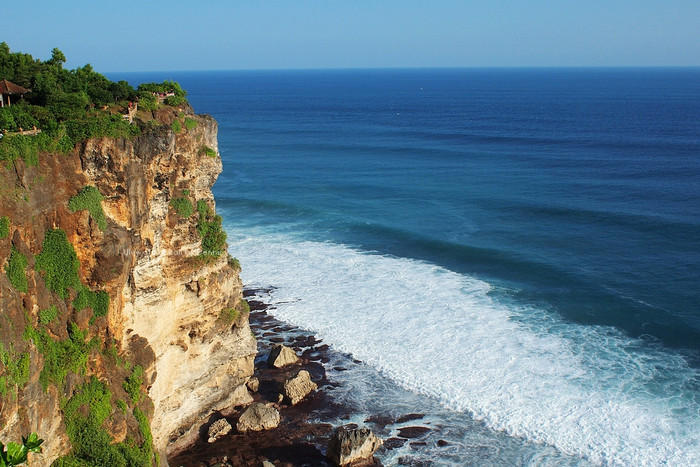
(518,248)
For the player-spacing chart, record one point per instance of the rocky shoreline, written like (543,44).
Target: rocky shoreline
(305,428)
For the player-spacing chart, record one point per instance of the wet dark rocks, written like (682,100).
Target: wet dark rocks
(413,431)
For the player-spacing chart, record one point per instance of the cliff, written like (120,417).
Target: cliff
(154,321)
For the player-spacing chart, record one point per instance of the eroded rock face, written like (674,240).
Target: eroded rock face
(298,387)
(165,302)
(258,417)
(281,356)
(352,446)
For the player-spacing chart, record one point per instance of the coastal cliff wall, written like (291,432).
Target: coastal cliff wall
(175,324)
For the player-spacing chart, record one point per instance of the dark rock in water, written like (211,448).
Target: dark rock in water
(380,420)
(322,348)
(413,431)
(277,340)
(257,417)
(393,443)
(339,368)
(352,446)
(442,443)
(281,356)
(410,417)
(418,444)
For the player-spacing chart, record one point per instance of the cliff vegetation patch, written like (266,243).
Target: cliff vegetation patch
(4,227)
(54,108)
(15,269)
(183,207)
(207,151)
(209,228)
(90,198)
(58,263)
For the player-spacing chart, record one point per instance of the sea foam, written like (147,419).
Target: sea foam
(588,391)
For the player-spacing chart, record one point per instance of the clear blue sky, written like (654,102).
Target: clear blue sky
(129,35)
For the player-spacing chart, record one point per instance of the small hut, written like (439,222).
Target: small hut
(8,90)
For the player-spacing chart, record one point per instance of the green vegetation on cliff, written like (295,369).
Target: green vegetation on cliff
(85,415)
(209,228)
(4,227)
(183,207)
(58,263)
(15,269)
(90,198)
(68,106)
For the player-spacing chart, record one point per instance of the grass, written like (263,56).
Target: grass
(182,206)
(15,269)
(176,127)
(90,198)
(16,370)
(230,315)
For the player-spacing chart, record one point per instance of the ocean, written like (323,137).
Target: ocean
(515,252)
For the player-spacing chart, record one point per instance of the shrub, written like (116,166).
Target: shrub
(190,123)
(15,270)
(16,454)
(234,263)
(48,315)
(61,356)
(97,300)
(90,198)
(174,101)
(209,228)
(16,368)
(176,127)
(230,315)
(183,207)
(4,227)
(133,384)
(207,151)
(58,263)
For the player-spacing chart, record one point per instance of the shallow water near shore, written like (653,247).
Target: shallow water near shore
(516,250)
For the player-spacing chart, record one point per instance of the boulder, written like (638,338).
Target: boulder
(298,386)
(253,384)
(280,356)
(258,417)
(267,464)
(352,446)
(218,429)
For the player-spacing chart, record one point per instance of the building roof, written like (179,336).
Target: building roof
(7,87)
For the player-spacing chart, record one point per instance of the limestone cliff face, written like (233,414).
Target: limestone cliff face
(166,301)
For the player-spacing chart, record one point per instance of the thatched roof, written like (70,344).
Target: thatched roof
(7,87)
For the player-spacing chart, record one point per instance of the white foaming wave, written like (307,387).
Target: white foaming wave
(580,389)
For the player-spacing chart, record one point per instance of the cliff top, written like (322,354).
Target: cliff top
(63,107)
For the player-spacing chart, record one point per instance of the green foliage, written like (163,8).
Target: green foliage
(61,356)
(121,405)
(190,123)
(209,228)
(183,207)
(177,128)
(230,315)
(15,270)
(84,414)
(90,198)
(59,99)
(207,151)
(174,101)
(163,88)
(4,227)
(48,315)
(16,454)
(234,263)
(58,262)
(97,300)
(245,306)
(16,369)
(133,384)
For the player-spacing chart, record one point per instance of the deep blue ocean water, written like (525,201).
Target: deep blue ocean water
(518,247)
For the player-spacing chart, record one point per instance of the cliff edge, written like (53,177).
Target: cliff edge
(117,292)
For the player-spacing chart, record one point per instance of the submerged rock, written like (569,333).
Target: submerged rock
(258,417)
(298,386)
(218,429)
(352,446)
(281,356)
